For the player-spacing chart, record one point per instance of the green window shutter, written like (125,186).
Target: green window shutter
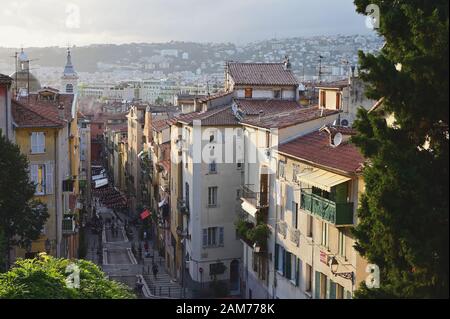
(317,286)
(288,265)
(276,256)
(283,261)
(332,289)
(328,289)
(297,272)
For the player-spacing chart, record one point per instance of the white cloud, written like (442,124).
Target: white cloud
(48,22)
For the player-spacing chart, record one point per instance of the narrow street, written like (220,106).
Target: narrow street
(124,260)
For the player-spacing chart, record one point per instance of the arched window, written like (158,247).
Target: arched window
(69,88)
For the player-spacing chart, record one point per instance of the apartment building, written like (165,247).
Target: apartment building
(262,136)
(317,186)
(47,133)
(347,95)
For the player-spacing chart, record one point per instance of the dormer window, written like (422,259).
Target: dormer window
(248,93)
(277,94)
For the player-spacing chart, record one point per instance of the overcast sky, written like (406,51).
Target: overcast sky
(81,22)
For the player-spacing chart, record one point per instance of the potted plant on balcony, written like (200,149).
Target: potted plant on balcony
(259,235)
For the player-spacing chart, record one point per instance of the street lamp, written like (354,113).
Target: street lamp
(334,265)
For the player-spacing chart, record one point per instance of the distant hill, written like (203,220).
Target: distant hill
(208,56)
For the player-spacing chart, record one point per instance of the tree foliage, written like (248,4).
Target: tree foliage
(45,278)
(403,218)
(21,217)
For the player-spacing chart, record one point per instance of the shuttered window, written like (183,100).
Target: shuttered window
(49,178)
(37,142)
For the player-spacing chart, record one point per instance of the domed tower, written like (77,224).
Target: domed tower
(24,81)
(69,80)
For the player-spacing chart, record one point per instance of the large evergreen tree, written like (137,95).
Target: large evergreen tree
(403,218)
(21,217)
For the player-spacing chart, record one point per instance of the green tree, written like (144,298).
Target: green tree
(21,217)
(403,218)
(46,277)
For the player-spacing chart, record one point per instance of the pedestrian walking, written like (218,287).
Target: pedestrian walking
(139,285)
(155,270)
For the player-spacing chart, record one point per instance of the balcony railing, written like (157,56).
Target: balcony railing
(182,206)
(68,225)
(282,228)
(336,213)
(294,236)
(257,199)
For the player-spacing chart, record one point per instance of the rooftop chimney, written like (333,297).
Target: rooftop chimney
(287,63)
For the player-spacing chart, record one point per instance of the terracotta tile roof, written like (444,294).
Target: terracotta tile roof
(214,96)
(315,148)
(35,116)
(253,107)
(288,118)
(261,74)
(221,116)
(340,84)
(4,79)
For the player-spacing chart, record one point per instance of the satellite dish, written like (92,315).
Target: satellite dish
(337,140)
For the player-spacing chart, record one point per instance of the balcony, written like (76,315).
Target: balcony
(68,225)
(183,208)
(294,236)
(253,201)
(339,214)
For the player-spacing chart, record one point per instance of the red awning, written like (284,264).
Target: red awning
(145,214)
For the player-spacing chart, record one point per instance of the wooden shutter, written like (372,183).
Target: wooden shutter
(317,286)
(298,271)
(276,256)
(328,288)
(288,265)
(34,143)
(41,142)
(49,178)
(338,101)
(332,289)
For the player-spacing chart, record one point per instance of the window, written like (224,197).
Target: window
(69,88)
(37,142)
(281,213)
(323,98)
(288,265)
(309,225)
(212,167)
(279,258)
(239,165)
(308,278)
(295,215)
(281,166)
(324,241)
(267,139)
(277,94)
(213,236)
(212,196)
(341,244)
(248,93)
(42,176)
(295,172)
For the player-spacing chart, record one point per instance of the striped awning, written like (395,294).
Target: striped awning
(322,179)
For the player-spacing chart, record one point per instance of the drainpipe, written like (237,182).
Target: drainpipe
(56,178)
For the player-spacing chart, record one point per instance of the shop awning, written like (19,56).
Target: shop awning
(101,182)
(145,214)
(322,179)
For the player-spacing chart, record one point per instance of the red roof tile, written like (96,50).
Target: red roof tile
(315,148)
(340,84)
(289,118)
(35,116)
(253,107)
(261,74)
